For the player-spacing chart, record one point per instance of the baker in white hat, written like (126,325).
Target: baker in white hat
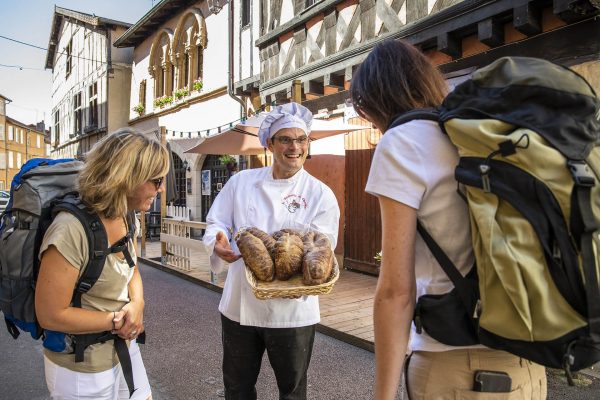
(285,132)
(280,196)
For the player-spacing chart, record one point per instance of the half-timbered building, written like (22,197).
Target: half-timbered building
(90,80)
(307,50)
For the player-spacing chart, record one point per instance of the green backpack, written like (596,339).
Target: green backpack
(528,137)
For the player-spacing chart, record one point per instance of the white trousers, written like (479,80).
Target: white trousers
(65,384)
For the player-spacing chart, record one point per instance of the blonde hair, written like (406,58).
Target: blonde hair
(116,166)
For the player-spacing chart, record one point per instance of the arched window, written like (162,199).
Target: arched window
(189,44)
(161,68)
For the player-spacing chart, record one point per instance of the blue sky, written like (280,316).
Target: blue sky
(29,21)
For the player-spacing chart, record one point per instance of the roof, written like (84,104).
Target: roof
(30,127)
(149,23)
(5,98)
(83,18)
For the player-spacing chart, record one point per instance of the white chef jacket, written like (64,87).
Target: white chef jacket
(253,198)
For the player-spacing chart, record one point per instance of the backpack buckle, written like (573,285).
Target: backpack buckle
(581,173)
(83,287)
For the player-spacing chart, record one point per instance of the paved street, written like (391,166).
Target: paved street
(183,354)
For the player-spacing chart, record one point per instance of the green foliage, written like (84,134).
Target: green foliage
(180,93)
(163,101)
(139,109)
(227,159)
(197,85)
(377,256)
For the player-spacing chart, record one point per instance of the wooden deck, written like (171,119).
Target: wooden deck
(346,312)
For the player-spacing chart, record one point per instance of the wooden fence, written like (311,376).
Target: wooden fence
(176,234)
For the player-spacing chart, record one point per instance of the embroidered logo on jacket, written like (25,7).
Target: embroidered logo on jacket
(294,202)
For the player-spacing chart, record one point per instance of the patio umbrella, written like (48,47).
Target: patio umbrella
(242,139)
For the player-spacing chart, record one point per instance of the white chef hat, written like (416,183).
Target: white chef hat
(290,115)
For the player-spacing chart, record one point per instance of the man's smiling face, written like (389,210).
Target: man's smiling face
(290,148)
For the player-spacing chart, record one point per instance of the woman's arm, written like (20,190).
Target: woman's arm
(54,289)
(133,312)
(394,296)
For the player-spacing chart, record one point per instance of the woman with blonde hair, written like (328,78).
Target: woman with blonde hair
(122,173)
(412,174)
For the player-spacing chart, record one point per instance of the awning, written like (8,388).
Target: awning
(242,139)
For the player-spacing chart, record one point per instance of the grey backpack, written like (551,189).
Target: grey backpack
(40,190)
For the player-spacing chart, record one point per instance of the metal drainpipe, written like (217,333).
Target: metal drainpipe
(230,80)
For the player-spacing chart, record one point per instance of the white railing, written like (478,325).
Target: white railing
(179,213)
(176,234)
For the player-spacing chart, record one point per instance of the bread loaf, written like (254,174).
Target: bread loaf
(267,239)
(287,255)
(282,232)
(318,258)
(255,254)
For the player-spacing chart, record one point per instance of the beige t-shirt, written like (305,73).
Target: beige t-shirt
(110,292)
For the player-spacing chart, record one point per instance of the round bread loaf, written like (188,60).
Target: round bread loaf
(287,255)
(318,258)
(255,255)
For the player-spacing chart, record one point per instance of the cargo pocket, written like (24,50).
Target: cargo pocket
(461,394)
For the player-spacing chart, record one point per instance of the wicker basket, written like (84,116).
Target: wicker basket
(291,288)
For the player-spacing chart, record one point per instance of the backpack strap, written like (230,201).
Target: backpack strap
(584,181)
(459,281)
(97,240)
(122,245)
(429,114)
(81,342)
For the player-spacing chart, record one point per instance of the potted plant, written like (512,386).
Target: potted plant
(139,109)
(377,257)
(197,85)
(181,93)
(229,162)
(163,101)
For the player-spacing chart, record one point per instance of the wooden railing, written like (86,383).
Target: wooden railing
(176,234)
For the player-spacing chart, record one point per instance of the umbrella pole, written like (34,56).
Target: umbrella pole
(163,201)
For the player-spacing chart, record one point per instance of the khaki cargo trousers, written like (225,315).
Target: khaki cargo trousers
(449,375)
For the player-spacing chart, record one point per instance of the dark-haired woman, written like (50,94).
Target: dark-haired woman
(412,174)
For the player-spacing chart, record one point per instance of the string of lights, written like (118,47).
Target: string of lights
(204,133)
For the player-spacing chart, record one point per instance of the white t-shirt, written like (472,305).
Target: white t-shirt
(254,198)
(414,165)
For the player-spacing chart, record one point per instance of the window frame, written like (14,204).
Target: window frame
(69,57)
(77,114)
(93,105)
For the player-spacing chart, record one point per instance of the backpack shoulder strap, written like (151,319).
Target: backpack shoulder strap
(429,114)
(122,245)
(97,243)
(459,281)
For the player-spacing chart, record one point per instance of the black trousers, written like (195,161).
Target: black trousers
(289,351)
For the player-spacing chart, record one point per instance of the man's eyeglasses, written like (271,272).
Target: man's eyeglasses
(158,182)
(286,140)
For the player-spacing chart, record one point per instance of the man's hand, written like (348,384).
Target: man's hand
(223,249)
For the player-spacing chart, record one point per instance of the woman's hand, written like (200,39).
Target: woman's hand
(129,322)
(223,249)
